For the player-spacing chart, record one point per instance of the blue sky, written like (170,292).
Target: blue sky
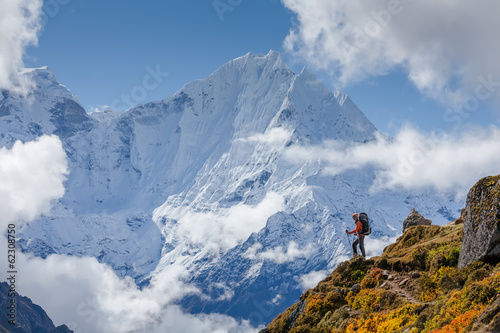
(400,61)
(103,49)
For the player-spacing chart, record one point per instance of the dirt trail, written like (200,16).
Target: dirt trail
(394,285)
(401,284)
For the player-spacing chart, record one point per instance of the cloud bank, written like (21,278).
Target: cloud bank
(310,280)
(20,24)
(278,255)
(89,297)
(375,246)
(413,159)
(275,136)
(32,175)
(81,292)
(230,227)
(443,46)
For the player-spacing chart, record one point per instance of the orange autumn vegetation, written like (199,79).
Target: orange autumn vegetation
(439,298)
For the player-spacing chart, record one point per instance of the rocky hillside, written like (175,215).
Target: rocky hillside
(416,285)
(30,318)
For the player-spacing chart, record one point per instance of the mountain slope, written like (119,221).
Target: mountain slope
(29,317)
(205,179)
(416,285)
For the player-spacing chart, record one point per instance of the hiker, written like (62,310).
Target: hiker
(361,237)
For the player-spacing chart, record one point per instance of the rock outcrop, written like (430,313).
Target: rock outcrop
(481,239)
(30,318)
(460,220)
(413,219)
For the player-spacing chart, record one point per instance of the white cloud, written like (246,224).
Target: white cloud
(81,292)
(276,300)
(277,255)
(89,297)
(443,46)
(20,23)
(413,159)
(229,227)
(341,258)
(31,176)
(274,136)
(375,247)
(310,280)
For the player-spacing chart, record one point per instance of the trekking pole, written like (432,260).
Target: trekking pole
(349,239)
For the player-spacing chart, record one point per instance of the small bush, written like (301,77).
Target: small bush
(320,304)
(372,279)
(478,293)
(462,323)
(428,288)
(350,272)
(385,322)
(452,257)
(372,300)
(477,275)
(357,276)
(419,258)
(337,320)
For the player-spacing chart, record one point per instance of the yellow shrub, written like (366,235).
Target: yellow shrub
(372,279)
(461,323)
(322,303)
(385,322)
(368,300)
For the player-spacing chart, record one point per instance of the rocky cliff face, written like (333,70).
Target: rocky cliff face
(481,239)
(30,318)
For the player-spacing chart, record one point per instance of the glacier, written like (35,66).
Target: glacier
(205,179)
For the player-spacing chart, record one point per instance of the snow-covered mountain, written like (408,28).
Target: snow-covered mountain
(205,179)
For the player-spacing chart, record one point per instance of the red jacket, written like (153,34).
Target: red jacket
(358,229)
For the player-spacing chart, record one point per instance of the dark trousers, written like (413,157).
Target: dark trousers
(361,242)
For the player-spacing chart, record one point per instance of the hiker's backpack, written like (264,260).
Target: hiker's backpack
(363,217)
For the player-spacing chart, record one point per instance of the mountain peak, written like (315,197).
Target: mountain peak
(204,177)
(270,61)
(23,71)
(45,82)
(306,72)
(271,55)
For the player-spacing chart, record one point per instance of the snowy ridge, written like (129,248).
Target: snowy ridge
(205,179)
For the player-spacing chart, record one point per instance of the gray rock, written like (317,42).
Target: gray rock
(414,219)
(356,287)
(300,309)
(405,281)
(481,238)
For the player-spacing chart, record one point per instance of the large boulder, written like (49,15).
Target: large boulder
(481,239)
(413,219)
